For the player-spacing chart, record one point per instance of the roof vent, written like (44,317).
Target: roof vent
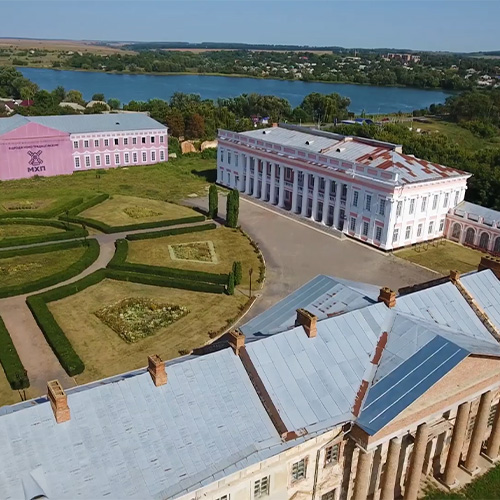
(370,158)
(339,150)
(309,142)
(265,132)
(117,123)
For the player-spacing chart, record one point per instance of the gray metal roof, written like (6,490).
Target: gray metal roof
(79,124)
(322,296)
(129,439)
(489,215)
(485,289)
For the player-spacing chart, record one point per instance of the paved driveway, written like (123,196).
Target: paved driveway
(296,252)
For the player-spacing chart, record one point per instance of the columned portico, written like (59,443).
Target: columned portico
(362,480)
(281,198)
(494,441)
(391,470)
(295,190)
(255,177)
(272,191)
(247,178)
(305,195)
(314,211)
(336,209)
(417,462)
(263,185)
(326,201)
(241,183)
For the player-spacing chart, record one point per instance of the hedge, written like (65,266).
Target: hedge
(172,232)
(71,231)
(47,214)
(91,202)
(9,359)
(105,228)
(89,257)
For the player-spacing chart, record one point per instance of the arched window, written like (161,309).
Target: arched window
(470,236)
(456,231)
(496,247)
(484,240)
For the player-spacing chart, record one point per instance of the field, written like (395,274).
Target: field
(26,268)
(59,45)
(105,353)
(122,210)
(171,181)
(18,230)
(229,244)
(443,258)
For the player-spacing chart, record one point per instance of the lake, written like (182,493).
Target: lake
(143,87)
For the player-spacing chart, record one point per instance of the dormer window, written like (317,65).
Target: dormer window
(308,143)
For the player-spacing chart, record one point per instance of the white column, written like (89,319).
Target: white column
(241,170)
(336,209)
(348,202)
(255,177)
(263,186)
(281,201)
(314,211)
(272,192)
(326,200)
(247,180)
(295,191)
(305,194)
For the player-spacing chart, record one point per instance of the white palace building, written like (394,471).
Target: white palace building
(367,189)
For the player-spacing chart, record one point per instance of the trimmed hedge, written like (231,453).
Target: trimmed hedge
(9,359)
(47,214)
(172,232)
(88,258)
(91,202)
(71,231)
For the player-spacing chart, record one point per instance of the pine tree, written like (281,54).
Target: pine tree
(230,284)
(213,202)
(237,271)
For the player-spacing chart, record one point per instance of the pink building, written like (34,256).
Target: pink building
(55,145)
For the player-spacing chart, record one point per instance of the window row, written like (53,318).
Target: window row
(368,205)
(221,153)
(116,141)
(365,228)
(420,228)
(412,206)
(117,157)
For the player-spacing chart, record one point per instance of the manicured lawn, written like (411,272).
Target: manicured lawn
(20,230)
(7,395)
(169,181)
(122,210)
(32,197)
(229,244)
(105,353)
(443,258)
(26,268)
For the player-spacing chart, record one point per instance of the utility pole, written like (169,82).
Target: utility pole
(250,272)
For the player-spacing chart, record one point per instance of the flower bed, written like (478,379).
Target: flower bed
(136,318)
(197,251)
(136,212)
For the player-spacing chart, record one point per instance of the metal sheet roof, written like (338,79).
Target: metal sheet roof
(129,439)
(322,296)
(488,214)
(78,124)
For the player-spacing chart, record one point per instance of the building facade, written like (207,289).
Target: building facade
(55,145)
(366,189)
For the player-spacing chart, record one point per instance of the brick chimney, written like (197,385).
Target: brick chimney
(308,321)
(454,276)
(58,401)
(275,124)
(387,296)
(156,368)
(236,341)
(488,262)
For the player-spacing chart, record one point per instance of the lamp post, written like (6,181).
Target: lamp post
(250,272)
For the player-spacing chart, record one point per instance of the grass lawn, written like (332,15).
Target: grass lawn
(7,395)
(229,245)
(21,230)
(443,258)
(169,181)
(25,268)
(122,210)
(105,353)
(33,198)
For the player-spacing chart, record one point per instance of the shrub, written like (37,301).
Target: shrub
(209,154)
(232,208)
(238,272)
(172,232)
(9,359)
(121,251)
(57,209)
(91,202)
(481,129)
(213,201)
(230,284)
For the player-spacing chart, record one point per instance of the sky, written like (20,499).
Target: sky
(452,25)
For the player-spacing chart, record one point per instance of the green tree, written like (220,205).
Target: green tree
(230,284)
(75,96)
(59,94)
(98,97)
(175,123)
(195,126)
(213,202)
(237,272)
(114,103)
(232,208)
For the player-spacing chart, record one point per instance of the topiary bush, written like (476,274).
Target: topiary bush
(232,208)
(238,272)
(213,201)
(230,284)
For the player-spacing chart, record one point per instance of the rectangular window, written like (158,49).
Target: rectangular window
(97,160)
(355,198)
(412,206)
(395,236)
(75,144)
(261,487)
(235,160)
(343,194)
(96,143)
(491,416)
(299,470)
(161,138)
(85,144)
(365,228)
(134,140)
(446,199)
(126,158)
(116,142)
(87,161)
(229,157)
(457,194)
(162,155)
(117,158)
(221,155)
(332,455)
(368,202)
(106,142)
(441,225)
(419,230)
(144,156)
(378,233)
(152,139)
(424,203)
(408,232)
(381,210)
(435,202)
(399,208)
(153,155)
(125,141)
(229,178)
(431,226)
(328,496)
(134,156)
(107,159)
(77,162)
(143,140)
(353,224)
